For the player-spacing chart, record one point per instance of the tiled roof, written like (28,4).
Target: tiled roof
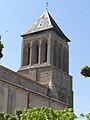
(45,22)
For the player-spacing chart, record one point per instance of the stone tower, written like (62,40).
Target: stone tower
(45,58)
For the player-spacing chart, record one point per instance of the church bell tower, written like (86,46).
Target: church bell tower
(45,58)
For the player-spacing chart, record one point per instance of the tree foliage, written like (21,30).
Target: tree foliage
(43,113)
(85,71)
(1,48)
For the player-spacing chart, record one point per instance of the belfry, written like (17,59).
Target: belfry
(45,57)
(43,77)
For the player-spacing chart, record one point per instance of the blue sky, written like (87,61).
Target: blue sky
(73,17)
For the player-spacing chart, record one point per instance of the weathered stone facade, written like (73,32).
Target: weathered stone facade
(47,60)
(14,95)
(43,78)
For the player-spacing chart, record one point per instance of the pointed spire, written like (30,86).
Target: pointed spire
(45,22)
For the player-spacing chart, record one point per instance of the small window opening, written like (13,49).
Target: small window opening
(37,54)
(45,60)
(28,55)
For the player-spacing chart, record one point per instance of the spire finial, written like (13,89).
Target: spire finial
(46,5)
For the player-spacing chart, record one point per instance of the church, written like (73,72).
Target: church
(43,77)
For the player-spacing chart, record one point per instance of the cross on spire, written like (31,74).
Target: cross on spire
(46,5)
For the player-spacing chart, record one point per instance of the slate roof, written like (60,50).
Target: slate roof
(45,22)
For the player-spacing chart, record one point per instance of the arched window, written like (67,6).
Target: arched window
(35,53)
(55,56)
(44,49)
(45,55)
(28,55)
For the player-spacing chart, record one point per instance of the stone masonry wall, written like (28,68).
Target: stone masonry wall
(25,98)
(62,83)
(14,77)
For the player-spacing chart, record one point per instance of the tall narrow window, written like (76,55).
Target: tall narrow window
(65,60)
(44,50)
(24,57)
(28,55)
(45,55)
(37,53)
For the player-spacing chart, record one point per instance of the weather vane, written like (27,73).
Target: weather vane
(47,5)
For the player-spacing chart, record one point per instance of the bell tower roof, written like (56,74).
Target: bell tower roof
(45,22)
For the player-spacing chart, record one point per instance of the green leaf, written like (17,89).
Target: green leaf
(82,115)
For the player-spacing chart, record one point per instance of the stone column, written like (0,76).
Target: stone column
(22,53)
(31,54)
(40,52)
(49,49)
